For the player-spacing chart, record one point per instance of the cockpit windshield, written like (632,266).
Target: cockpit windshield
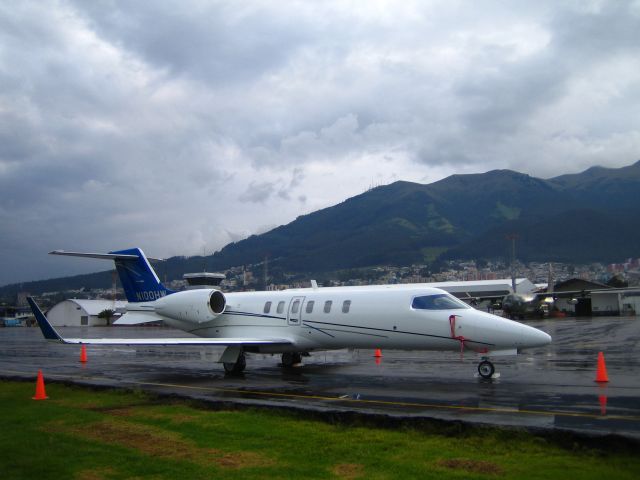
(440,301)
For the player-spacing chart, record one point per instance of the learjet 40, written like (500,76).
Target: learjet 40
(295,322)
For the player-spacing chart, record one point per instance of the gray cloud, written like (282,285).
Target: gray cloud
(185,125)
(257,192)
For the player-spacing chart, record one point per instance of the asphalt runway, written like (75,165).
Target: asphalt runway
(547,388)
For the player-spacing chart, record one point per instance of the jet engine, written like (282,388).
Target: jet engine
(197,306)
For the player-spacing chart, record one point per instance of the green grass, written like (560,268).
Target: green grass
(84,434)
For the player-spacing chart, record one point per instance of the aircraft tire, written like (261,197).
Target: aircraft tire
(289,359)
(236,368)
(486,369)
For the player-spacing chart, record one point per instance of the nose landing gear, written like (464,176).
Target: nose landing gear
(486,369)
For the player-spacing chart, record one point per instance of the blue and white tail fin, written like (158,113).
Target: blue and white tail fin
(139,280)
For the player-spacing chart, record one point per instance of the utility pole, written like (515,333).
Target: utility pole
(513,237)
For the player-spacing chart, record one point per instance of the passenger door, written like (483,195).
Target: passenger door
(295,311)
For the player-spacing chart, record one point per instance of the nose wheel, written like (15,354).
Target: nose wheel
(486,369)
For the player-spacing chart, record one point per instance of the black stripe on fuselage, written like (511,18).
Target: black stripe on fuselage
(248,314)
(318,329)
(325,330)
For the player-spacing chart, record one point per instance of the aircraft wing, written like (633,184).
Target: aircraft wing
(50,333)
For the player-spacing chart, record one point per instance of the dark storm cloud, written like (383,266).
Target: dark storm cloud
(215,42)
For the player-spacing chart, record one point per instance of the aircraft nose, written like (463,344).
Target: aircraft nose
(538,338)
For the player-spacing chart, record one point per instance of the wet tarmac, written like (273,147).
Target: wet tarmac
(547,388)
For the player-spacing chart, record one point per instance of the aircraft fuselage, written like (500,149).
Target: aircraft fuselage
(341,317)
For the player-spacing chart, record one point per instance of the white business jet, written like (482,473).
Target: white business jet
(297,321)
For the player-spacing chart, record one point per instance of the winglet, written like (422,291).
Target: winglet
(47,330)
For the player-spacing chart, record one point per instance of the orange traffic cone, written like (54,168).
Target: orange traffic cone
(601,374)
(40,393)
(378,353)
(83,354)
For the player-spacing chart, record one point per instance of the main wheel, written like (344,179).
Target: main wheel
(486,369)
(289,359)
(236,368)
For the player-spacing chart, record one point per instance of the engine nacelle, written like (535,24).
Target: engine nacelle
(197,306)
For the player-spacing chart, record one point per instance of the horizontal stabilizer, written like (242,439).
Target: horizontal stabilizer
(102,256)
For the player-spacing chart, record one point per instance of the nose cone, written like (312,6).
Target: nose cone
(532,337)
(501,333)
(537,338)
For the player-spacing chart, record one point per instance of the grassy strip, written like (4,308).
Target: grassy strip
(83,434)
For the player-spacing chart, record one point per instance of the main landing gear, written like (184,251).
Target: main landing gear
(486,369)
(237,367)
(291,359)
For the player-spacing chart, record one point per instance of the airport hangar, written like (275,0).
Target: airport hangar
(74,312)
(581,298)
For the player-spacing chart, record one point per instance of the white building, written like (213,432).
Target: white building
(75,313)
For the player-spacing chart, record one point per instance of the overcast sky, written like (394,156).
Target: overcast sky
(181,126)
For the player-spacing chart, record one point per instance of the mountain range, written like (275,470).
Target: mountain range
(578,218)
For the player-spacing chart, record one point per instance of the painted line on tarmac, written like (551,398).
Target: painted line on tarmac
(297,396)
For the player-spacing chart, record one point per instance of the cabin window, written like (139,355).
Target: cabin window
(346,305)
(295,307)
(280,308)
(442,301)
(310,306)
(327,306)
(84,320)
(267,307)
